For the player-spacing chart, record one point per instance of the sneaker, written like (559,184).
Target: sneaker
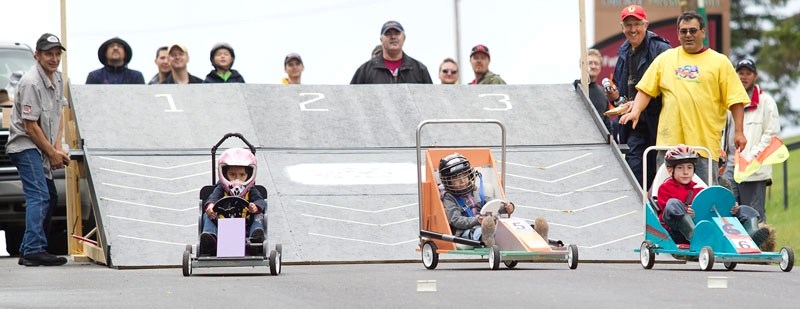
(43,258)
(208,245)
(257,237)
(20,261)
(487,231)
(555,243)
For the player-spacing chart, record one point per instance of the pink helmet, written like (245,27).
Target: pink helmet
(237,157)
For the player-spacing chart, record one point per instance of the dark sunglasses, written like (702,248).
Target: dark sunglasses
(446,71)
(693,31)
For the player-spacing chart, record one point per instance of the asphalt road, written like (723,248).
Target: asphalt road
(458,285)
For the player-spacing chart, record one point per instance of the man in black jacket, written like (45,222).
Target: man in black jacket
(635,56)
(392,65)
(115,54)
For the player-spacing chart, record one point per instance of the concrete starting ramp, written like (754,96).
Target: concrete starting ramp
(339,164)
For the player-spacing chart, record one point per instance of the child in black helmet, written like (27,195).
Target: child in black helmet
(463,198)
(222,57)
(675,198)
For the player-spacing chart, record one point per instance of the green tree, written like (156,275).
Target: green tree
(773,40)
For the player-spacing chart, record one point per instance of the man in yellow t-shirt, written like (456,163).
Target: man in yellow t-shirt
(697,85)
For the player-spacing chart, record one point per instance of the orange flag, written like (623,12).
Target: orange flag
(776,152)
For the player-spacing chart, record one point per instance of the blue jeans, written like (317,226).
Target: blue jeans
(637,143)
(256,222)
(40,200)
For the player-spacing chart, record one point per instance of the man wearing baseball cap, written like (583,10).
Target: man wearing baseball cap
(480,58)
(115,54)
(761,123)
(178,60)
(293,66)
(392,65)
(634,57)
(34,147)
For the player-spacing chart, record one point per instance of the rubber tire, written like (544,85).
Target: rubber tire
(279,248)
(494,258)
(646,255)
(189,248)
(787,259)
(510,264)
(706,258)
(572,256)
(430,258)
(187,263)
(730,265)
(274,263)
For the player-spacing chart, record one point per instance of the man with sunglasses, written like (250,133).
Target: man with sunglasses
(698,85)
(635,55)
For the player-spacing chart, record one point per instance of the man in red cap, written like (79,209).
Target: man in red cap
(635,55)
(480,58)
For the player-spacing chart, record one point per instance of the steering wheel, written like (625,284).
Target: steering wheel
(493,207)
(231,207)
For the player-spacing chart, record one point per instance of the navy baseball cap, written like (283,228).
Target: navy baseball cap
(391,25)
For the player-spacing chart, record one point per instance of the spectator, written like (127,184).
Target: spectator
(293,66)
(448,72)
(162,62)
(391,65)
(378,48)
(479,58)
(34,147)
(178,59)
(698,84)
(635,55)
(115,54)
(596,93)
(761,123)
(222,57)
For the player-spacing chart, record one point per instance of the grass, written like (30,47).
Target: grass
(786,222)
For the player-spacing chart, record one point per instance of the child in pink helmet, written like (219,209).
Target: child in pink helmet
(237,174)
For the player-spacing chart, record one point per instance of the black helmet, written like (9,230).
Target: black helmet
(681,154)
(453,167)
(219,46)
